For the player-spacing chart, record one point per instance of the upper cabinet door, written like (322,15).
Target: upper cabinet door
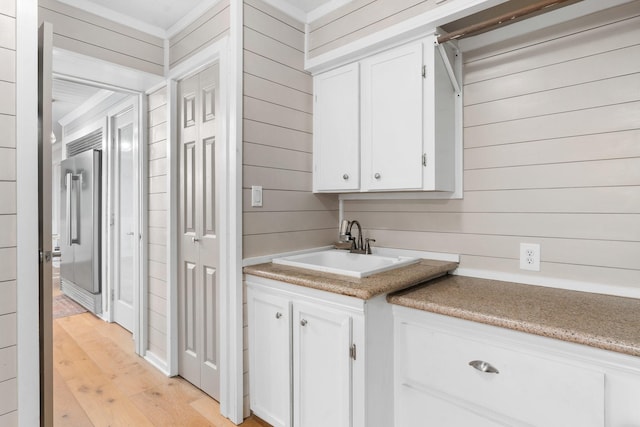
(336,138)
(392,117)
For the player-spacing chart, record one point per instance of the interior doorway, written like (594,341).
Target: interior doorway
(106,121)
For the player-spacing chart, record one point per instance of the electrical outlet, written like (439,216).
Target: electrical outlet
(530,256)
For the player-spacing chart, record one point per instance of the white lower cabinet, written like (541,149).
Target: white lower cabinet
(518,379)
(309,359)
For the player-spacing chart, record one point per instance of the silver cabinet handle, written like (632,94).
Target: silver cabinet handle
(377,175)
(278,315)
(195,239)
(303,322)
(345,176)
(130,233)
(483,366)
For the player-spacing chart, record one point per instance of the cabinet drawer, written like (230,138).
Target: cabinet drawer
(528,387)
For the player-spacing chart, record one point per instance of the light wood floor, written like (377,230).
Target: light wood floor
(99,381)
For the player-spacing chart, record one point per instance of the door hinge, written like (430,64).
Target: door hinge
(424,159)
(112,295)
(352,351)
(424,71)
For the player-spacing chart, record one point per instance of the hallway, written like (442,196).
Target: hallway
(99,381)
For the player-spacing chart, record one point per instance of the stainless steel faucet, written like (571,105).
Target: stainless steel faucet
(356,245)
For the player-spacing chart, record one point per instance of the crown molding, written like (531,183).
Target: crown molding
(189,18)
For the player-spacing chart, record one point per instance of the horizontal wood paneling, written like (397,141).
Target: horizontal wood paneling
(276,136)
(7,297)
(275,157)
(8,230)
(278,139)
(7,98)
(8,7)
(297,201)
(359,19)
(7,32)
(8,363)
(7,264)
(552,156)
(9,331)
(261,244)
(8,126)
(157,221)
(207,29)
(92,35)
(7,65)
(8,195)
(9,401)
(7,164)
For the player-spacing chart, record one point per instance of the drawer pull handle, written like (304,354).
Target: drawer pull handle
(484,367)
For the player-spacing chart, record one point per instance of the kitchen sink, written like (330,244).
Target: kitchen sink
(346,263)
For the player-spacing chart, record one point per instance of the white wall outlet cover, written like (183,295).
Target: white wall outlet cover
(530,256)
(256,196)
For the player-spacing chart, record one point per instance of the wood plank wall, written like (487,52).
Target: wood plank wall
(157,222)
(207,29)
(358,19)
(92,35)
(552,156)
(278,139)
(8,228)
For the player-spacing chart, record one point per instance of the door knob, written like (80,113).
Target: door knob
(195,239)
(278,315)
(303,322)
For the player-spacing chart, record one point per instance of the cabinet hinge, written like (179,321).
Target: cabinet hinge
(112,295)
(424,71)
(352,351)
(424,159)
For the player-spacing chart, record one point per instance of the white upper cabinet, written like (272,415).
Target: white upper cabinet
(392,112)
(408,110)
(336,123)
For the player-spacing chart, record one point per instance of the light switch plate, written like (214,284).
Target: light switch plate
(256,196)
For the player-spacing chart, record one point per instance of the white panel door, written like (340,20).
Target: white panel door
(270,347)
(392,116)
(321,366)
(126,200)
(336,130)
(198,285)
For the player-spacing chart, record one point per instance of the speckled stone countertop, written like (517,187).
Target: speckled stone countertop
(364,288)
(601,321)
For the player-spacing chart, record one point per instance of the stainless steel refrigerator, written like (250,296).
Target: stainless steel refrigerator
(80,228)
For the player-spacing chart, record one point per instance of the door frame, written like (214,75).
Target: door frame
(231,326)
(113,197)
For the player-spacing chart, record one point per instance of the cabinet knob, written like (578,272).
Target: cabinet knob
(278,315)
(345,176)
(377,175)
(483,366)
(303,322)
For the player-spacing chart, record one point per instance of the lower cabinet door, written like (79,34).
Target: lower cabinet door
(322,366)
(419,408)
(270,357)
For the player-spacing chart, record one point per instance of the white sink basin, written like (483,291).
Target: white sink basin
(345,263)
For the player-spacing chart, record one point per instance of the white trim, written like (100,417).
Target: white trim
(100,73)
(267,258)
(141,338)
(551,282)
(189,18)
(231,357)
(172,228)
(233,378)
(118,17)
(28,335)
(398,34)
(157,362)
(325,9)
(288,9)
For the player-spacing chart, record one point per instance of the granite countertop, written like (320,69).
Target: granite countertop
(364,288)
(601,321)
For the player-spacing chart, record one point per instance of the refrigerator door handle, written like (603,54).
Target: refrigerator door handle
(68,179)
(73,215)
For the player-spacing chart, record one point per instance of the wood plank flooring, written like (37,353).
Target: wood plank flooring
(99,381)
